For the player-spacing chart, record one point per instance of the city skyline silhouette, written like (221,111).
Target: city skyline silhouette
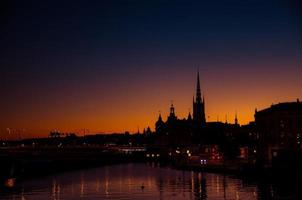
(151,99)
(111,66)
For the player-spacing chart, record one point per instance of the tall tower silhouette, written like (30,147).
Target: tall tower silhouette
(199,105)
(236,119)
(172,115)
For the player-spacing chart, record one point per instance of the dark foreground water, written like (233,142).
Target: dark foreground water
(143,181)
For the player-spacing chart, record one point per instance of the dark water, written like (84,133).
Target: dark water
(143,181)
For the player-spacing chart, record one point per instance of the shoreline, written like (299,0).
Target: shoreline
(38,163)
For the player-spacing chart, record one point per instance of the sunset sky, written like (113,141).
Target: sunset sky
(111,66)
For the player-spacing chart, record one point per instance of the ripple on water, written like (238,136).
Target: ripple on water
(138,181)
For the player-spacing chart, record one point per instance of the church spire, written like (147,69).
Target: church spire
(198,105)
(236,119)
(198,92)
(159,117)
(189,116)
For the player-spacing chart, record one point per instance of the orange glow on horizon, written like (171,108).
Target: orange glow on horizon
(136,105)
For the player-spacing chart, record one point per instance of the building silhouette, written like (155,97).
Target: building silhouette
(195,131)
(199,106)
(280,131)
(175,131)
(275,136)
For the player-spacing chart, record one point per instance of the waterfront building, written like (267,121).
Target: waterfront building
(227,138)
(280,131)
(176,131)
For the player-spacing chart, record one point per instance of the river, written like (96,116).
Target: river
(143,181)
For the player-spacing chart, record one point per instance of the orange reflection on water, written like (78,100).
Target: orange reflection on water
(125,182)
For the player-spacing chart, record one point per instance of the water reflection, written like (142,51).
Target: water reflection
(141,181)
(55,190)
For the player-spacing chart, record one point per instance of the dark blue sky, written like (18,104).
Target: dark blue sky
(49,36)
(62,38)
(48,47)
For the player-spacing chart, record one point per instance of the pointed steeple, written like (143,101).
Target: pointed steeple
(236,119)
(159,125)
(189,116)
(160,118)
(198,92)
(198,104)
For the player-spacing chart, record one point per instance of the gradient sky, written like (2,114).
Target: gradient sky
(111,66)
